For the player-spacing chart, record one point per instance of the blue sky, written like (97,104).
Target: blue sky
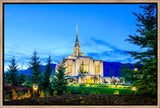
(51,30)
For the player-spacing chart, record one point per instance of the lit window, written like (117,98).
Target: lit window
(69,68)
(84,68)
(97,70)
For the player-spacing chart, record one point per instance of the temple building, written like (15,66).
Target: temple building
(83,69)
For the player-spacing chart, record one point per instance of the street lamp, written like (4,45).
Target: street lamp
(35,89)
(134,90)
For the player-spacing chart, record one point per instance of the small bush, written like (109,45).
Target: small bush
(28,94)
(41,94)
(6,96)
(68,93)
(47,93)
(54,92)
(20,95)
(97,92)
(80,97)
(116,92)
(14,95)
(92,92)
(82,91)
(67,100)
(82,102)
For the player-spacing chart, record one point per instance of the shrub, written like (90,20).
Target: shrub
(82,102)
(97,92)
(68,93)
(92,92)
(82,91)
(28,94)
(54,92)
(6,96)
(47,93)
(14,95)
(41,94)
(20,95)
(87,85)
(116,92)
(80,97)
(67,100)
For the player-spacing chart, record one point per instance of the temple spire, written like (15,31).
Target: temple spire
(77,42)
(76,33)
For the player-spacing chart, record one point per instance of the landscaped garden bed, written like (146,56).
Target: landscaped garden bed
(77,99)
(101,90)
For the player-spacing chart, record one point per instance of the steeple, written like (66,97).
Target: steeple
(77,42)
(76,33)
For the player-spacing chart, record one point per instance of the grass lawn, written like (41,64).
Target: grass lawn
(101,90)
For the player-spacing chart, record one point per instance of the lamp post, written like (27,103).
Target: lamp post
(35,89)
(134,90)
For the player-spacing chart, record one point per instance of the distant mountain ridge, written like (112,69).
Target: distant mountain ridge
(114,66)
(107,66)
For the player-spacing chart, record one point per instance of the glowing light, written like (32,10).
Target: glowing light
(35,87)
(116,92)
(135,69)
(133,88)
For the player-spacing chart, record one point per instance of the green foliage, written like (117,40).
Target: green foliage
(68,93)
(21,78)
(67,100)
(146,39)
(54,92)
(47,92)
(35,69)
(82,91)
(82,102)
(11,76)
(47,73)
(28,80)
(97,92)
(80,97)
(92,92)
(60,80)
(41,93)
(6,96)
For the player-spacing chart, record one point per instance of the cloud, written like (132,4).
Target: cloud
(98,49)
(106,51)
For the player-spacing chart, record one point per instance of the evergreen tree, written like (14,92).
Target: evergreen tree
(60,80)
(35,69)
(146,39)
(21,77)
(13,71)
(47,73)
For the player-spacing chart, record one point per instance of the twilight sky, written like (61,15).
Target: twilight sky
(51,30)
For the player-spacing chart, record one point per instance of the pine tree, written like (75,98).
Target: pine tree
(13,71)
(47,73)
(60,80)
(35,69)
(146,39)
